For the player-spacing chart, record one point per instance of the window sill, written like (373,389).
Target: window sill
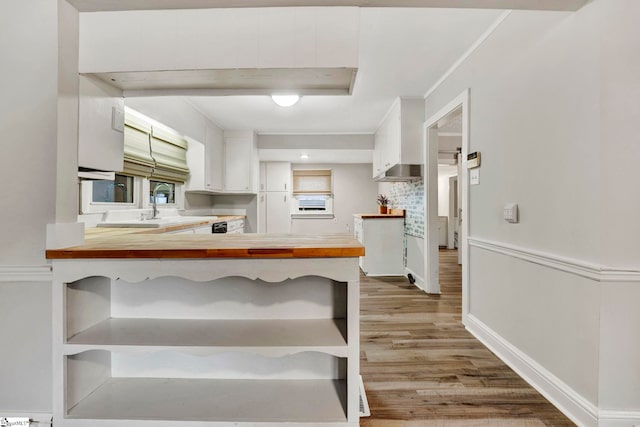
(313,216)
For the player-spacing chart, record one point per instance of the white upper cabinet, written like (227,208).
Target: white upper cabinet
(278,176)
(399,139)
(206,162)
(215,157)
(241,162)
(226,162)
(100,126)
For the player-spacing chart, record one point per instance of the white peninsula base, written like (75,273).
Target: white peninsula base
(206,342)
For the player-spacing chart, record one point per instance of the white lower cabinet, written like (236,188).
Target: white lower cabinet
(211,342)
(383,240)
(278,211)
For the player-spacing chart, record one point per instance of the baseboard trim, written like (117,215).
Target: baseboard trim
(614,418)
(30,273)
(567,400)
(573,266)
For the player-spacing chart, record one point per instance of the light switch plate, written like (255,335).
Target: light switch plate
(510,212)
(474,176)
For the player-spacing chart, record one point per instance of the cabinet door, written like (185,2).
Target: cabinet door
(278,176)
(263,177)
(278,212)
(391,152)
(262,212)
(196,159)
(238,170)
(100,110)
(377,154)
(215,159)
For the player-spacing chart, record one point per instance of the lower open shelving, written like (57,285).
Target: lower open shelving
(182,399)
(254,343)
(261,335)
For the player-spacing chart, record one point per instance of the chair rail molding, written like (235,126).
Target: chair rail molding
(25,273)
(596,272)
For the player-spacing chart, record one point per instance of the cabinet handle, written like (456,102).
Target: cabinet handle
(285,185)
(285,198)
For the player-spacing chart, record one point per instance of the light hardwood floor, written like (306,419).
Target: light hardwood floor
(421,368)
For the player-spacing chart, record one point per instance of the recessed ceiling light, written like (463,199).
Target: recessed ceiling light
(304,156)
(285,100)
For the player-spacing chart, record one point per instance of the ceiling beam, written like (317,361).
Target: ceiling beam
(115,5)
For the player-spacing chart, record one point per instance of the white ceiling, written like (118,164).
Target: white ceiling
(402,52)
(405,46)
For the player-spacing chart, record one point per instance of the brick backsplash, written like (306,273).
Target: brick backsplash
(409,196)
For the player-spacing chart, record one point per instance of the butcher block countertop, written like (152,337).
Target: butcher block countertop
(99,232)
(249,245)
(393,213)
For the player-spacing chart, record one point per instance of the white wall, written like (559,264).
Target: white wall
(354,192)
(30,127)
(553,116)
(333,148)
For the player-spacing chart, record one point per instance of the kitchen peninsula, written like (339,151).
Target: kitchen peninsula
(205,329)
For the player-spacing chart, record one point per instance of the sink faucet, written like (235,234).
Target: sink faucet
(155,192)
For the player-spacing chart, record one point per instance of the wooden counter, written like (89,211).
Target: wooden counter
(94,232)
(250,245)
(393,213)
(377,215)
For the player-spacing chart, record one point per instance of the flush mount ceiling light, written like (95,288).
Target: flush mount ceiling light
(304,156)
(285,100)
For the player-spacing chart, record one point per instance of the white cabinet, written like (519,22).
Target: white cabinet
(100,125)
(274,203)
(215,159)
(278,176)
(201,342)
(241,157)
(262,212)
(399,138)
(383,240)
(206,162)
(278,212)
(224,163)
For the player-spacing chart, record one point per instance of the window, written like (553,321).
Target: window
(119,190)
(312,192)
(163,192)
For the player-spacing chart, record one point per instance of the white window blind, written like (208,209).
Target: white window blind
(312,181)
(153,151)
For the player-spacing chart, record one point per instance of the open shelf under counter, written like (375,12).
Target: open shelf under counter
(206,331)
(262,336)
(259,402)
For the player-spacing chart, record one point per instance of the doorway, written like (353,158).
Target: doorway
(446,139)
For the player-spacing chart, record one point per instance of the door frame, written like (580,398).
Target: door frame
(430,160)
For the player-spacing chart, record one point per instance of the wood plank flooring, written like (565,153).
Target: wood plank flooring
(421,368)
